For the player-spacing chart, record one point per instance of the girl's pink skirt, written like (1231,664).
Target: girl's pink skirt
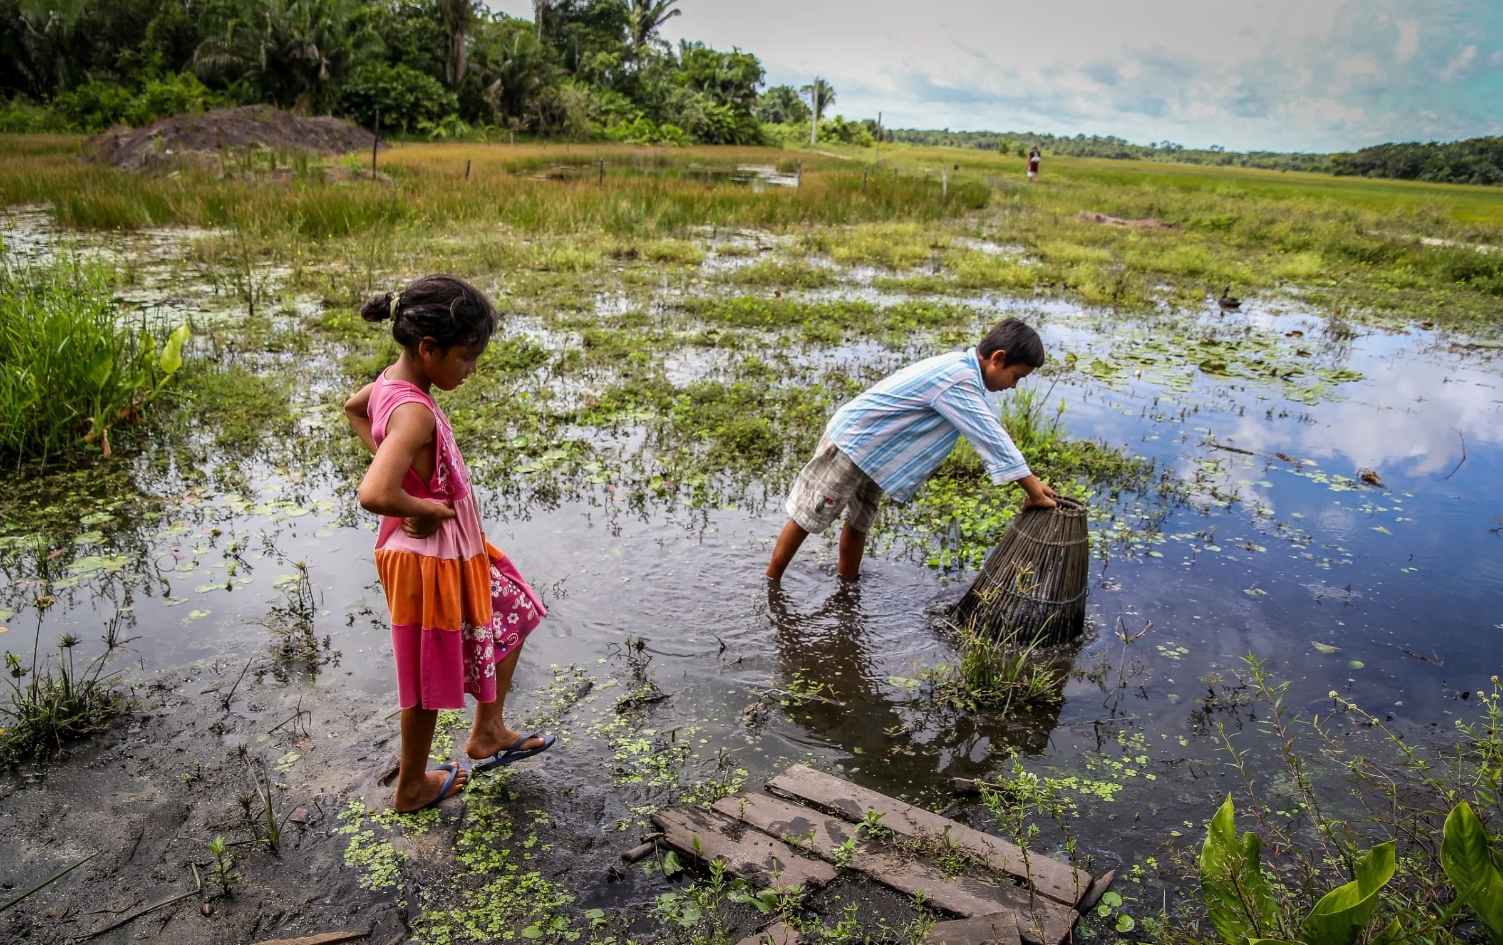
(435,668)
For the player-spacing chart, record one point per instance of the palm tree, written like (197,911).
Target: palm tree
(295,52)
(458,18)
(646,17)
(820,93)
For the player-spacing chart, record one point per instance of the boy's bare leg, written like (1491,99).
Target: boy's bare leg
(792,536)
(852,547)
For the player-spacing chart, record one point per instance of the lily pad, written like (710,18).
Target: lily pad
(1355,664)
(1325,648)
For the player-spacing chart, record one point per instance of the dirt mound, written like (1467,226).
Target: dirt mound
(195,138)
(1146,224)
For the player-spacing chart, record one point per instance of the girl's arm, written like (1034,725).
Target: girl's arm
(410,429)
(357,411)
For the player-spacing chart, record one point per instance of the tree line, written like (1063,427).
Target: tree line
(1099,146)
(1474,161)
(439,68)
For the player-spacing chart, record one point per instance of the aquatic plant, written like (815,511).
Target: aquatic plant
(70,369)
(1320,885)
(53,702)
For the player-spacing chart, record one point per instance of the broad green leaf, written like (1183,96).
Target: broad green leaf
(1231,880)
(100,369)
(172,351)
(1392,934)
(1465,858)
(1341,914)
(671,864)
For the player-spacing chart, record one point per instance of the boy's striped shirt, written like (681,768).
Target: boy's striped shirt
(901,429)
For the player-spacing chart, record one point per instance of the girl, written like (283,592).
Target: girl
(459,609)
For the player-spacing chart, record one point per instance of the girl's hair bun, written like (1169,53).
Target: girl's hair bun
(379,308)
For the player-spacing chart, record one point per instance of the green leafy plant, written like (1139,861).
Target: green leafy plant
(70,370)
(1469,865)
(1244,907)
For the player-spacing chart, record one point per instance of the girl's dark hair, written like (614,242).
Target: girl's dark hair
(442,307)
(1021,343)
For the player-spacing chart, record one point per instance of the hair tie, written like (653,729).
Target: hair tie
(396,301)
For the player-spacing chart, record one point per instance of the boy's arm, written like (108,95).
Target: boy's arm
(973,417)
(357,411)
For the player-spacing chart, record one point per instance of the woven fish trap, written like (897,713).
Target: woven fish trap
(1034,582)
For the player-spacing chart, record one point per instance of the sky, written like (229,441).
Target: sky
(1284,75)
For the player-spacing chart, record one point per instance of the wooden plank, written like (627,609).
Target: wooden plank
(775,934)
(1097,890)
(756,858)
(327,938)
(1041,920)
(1058,881)
(999,929)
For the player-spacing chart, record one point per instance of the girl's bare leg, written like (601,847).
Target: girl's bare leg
(490,733)
(416,785)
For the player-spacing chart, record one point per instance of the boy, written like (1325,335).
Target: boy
(893,436)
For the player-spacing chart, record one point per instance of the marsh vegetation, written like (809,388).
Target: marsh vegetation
(673,347)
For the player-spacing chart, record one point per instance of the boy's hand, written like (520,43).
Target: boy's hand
(421,526)
(1040,496)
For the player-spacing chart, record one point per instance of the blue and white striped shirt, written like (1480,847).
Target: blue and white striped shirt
(901,429)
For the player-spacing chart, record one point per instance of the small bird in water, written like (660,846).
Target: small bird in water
(1227,302)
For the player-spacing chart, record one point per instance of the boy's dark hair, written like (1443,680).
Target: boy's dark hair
(442,307)
(1021,343)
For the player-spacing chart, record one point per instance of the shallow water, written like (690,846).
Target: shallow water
(1268,556)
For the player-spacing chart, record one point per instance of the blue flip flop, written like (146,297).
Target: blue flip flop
(514,754)
(443,792)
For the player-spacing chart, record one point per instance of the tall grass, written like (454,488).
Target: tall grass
(643,192)
(70,370)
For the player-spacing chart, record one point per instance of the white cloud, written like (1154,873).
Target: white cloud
(1408,40)
(1283,74)
(1458,64)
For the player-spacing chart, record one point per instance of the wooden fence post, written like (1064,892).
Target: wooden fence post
(798,177)
(466,169)
(375,140)
(944,182)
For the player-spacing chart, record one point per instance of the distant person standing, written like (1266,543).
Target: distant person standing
(1033,162)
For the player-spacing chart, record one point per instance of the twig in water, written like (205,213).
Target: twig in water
(1126,638)
(50,880)
(1432,659)
(231,694)
(1463,455)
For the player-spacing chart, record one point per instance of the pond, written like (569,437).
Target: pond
(1385,587)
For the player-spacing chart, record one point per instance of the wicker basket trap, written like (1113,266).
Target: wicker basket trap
(1034,582)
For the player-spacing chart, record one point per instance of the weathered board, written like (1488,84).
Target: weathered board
(754,857)
(1049,877)
(327,938)
(1039,919)
(1000,929)
(775,934)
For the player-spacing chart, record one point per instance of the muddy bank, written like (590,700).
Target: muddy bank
(164,782)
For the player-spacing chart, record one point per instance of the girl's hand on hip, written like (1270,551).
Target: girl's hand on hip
(421,526)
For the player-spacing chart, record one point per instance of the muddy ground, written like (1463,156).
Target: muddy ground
(179,767)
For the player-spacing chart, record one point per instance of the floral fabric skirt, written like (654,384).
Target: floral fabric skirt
(436,668)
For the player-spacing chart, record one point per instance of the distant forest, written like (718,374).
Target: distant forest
(1474,161)
(1115,148)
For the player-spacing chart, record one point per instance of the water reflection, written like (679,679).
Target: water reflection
(894,741)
